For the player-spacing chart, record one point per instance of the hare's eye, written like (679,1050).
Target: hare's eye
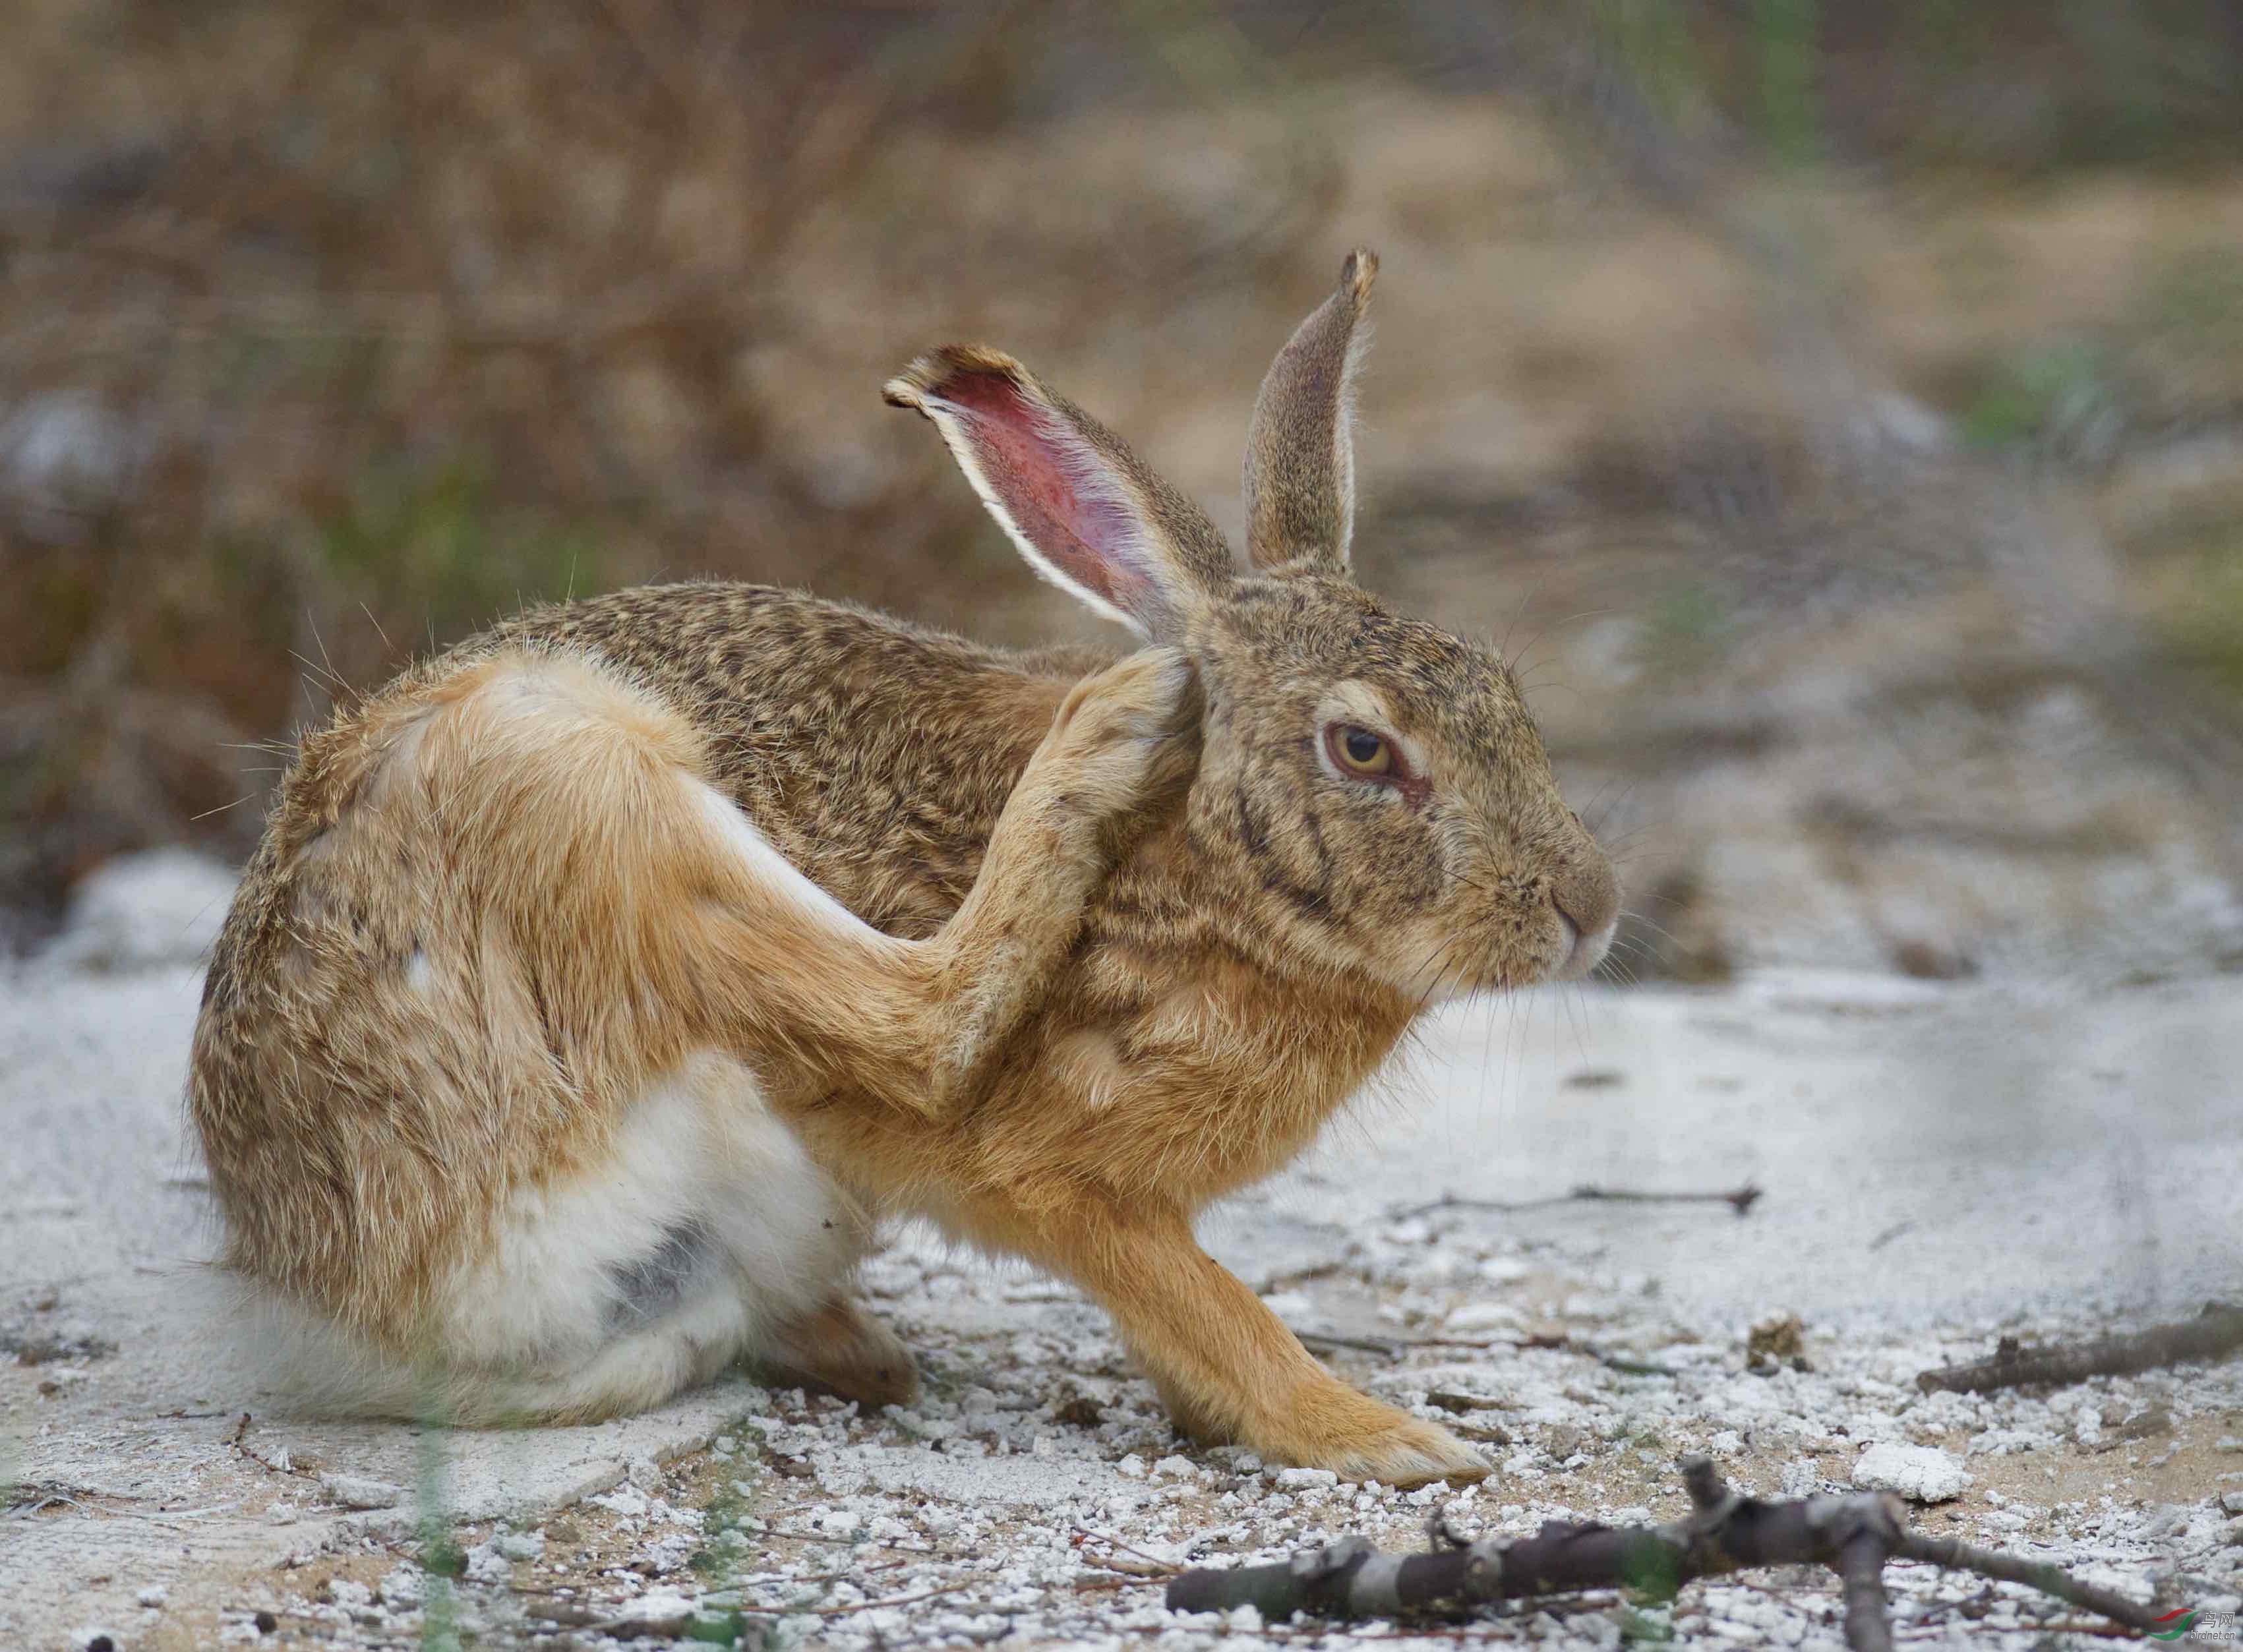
(1358,751)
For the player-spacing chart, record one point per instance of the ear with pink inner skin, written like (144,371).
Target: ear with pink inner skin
(1085,511)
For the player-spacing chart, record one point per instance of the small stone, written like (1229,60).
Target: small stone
(1920,1474)
(1801,1477)
(1305,1479)
(2153,1421)
(266,1622)
(154,1595)
(353,1492)
(519,1546)
(1483,1316)
(2231,1503)
(644,1473)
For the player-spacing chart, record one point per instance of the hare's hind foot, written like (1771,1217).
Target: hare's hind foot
(843,1350)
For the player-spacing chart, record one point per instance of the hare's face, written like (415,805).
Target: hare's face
(1388,794)
(1374,782)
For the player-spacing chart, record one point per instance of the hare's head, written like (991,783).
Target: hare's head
(1376,778)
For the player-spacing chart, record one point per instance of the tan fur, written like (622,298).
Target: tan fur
(1128,939)
(1300,455)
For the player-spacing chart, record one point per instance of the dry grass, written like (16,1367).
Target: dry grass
(357,326)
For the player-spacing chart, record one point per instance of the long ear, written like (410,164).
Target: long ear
(1084,510)
(1300,449)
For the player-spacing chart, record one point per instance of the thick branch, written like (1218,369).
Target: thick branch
(1853,1536)
(2212,1334)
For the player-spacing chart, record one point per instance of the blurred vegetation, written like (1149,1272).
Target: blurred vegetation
(329,332)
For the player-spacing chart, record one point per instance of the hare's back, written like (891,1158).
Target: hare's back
(874,754)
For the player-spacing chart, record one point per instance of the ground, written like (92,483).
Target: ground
(1941,1163)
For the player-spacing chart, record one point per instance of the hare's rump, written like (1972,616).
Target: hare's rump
(467,1109)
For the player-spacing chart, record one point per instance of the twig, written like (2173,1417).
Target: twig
(2212,1334)
(1168,1569)
(1726,1531)
(1561,1343)
(863,1606)
(1739,1200)
(1954,1555)
(1326,1342)
(849,1542)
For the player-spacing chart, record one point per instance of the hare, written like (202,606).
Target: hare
(600,985)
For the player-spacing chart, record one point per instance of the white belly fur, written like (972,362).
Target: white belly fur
(701,1152)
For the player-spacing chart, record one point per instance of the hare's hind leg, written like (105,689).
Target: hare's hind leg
(612,924)
(841,1347)
(599,838)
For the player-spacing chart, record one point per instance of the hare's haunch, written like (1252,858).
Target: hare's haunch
(600,985)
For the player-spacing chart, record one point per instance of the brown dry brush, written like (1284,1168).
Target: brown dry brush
(1726,1531)
(369,323)
(364,325)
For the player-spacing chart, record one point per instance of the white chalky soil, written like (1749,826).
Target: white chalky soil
(1941,1166)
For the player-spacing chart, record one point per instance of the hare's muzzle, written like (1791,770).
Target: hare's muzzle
(1587,898)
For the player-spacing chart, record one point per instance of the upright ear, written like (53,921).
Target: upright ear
(1300,450)
(1084,510)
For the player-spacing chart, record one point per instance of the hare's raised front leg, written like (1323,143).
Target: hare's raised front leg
(912,1022)
(1120,740)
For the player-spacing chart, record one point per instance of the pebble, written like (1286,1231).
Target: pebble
(1920,1474)
(353,1492)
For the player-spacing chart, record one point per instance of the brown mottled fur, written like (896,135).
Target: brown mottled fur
(1100,986)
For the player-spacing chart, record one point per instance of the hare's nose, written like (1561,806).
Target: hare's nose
(1588,902)
(1587,898)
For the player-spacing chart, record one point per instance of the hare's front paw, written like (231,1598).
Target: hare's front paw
(1122,734)
(1359,1439)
